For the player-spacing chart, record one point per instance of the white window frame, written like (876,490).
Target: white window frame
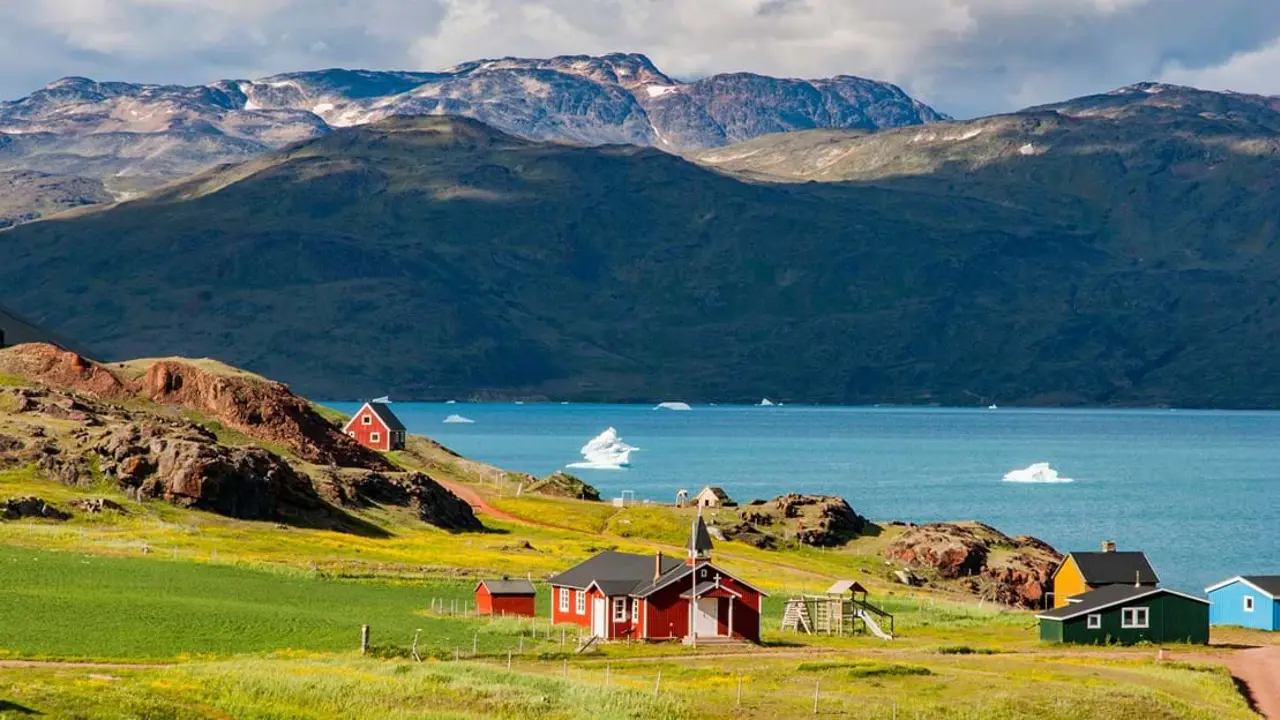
(1094,621)
(375,437)
(366,419)
(1129,618)
(619,609)
(580,603)
(635,610)
(1249,603)
(564,600)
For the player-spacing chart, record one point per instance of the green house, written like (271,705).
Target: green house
(1127,614)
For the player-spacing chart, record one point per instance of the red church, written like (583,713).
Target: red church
(651,597)
(376,427)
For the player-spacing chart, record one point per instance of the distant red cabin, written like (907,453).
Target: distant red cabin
(376,427)
(506,597)
(646,597)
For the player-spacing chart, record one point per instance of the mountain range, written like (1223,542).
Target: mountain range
(1117,249)
(124,138)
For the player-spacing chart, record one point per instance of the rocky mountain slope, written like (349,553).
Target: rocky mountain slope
(1116,250)
(133,137)
(170,435)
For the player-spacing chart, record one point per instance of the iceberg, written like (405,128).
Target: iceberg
(384,400)
(673,406)
(450,402)
(1037,473)
(605,451)
(767,403)
(459,420)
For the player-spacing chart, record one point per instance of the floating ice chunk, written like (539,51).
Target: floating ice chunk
(673,406)
(605,451)
(458,420)
(993,406)
(1037,473)
(767,403)
(450,402)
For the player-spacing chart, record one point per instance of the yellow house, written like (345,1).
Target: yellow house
(1081,572)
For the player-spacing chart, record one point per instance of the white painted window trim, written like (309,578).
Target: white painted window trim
(580,603)
(375,437)
(619,609)
(564,600)
(1129,618)
(1094,621)
(366,420)
(635,610)
(1249,603)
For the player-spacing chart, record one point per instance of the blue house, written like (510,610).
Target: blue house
(1248,601)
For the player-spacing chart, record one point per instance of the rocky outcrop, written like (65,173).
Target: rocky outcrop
(431,502)
(20,508)
(260,408)
(55,367)
(562,484)
(817,520)
(190,469)
(1012,571)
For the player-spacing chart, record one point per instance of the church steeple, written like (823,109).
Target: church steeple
(699,541)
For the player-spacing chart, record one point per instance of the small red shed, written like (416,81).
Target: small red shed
(505,597)
(376,427)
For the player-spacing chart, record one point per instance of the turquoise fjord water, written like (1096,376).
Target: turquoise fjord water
(1198,491)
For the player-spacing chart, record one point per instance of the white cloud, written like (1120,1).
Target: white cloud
(1252,72)
(964,56)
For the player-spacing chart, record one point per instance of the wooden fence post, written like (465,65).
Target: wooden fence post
(657,685)
(739,700)
(606,674)
(475,644)
(816,685)
(364,639)
(508,661)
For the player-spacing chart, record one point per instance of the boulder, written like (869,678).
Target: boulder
(10,444)
(19,508)
(97,506)
(259,408)
(1012,571)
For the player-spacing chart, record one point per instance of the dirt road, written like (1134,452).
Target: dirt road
(1259,670)
(477,503)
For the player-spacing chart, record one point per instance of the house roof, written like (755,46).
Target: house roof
(1107,597)
(1114,568)
(613,568)
(1268,585)
(714,490)
(508,587)
(705,587)
(683,572)
(699,538)
(388,418)
(843,586)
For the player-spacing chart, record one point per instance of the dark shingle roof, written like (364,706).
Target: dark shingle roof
(509,587)
(1115,568)
(1269,584)
(614,568)
(1106,597)
(387,417)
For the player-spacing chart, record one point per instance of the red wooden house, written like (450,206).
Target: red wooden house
(651,597)
(376,427)
(505,597)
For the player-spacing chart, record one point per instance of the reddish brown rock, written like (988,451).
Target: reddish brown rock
(817,520)
(1012,571)
(260,408)
(53,366)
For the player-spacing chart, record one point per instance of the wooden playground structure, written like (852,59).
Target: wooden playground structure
(842,610)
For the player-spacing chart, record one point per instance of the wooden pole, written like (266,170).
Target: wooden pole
(364,639)
(475,644)
(657,685)
(416,656)
(739,700)
(508,661)
(606,674)
(816,685)
(566,668)
(521,644)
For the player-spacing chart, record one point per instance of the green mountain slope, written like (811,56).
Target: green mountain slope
(436,258)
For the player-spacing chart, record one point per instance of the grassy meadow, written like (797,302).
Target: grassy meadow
(217,618)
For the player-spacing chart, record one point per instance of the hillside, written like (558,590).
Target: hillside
(133,137)
(439,258)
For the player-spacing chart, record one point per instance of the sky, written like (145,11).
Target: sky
(964,57)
